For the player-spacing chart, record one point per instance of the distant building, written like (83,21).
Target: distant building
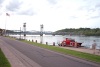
(2,32)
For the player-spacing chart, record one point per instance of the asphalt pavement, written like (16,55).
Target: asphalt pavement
(26,55)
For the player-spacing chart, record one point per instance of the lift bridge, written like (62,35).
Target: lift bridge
(18,32)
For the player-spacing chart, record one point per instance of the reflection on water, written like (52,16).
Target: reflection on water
(86,40)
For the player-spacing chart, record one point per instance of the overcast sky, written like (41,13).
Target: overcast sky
(53,14)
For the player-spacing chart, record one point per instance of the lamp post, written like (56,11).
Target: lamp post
(41,33)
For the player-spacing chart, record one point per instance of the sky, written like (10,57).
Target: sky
(53,14)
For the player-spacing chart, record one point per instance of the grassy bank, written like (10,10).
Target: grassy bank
(3,60)
(86,56)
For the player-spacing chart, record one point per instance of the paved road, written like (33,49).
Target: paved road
(42,57)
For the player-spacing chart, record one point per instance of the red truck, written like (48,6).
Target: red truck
(70,42)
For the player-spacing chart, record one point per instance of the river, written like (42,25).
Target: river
(85,40)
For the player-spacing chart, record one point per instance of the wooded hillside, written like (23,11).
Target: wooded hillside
(82,31)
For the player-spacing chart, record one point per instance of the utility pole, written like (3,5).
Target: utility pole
(20,32)
(24,27)
(41,33)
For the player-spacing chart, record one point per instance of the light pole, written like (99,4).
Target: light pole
(41,33)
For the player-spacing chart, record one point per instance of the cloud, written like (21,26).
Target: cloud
(87,8)
(91,9)
(14,5)
(89,5)
(73,17)
(67,13)
(27,12)
(20,7)
(95,17)
(52,1)
(1,1)
(98,5)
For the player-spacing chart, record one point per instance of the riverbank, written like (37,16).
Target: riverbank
(86,41)
(80,49)
(64,50)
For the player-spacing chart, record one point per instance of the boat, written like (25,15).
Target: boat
(70,42)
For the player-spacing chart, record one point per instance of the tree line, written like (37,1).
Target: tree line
(82,31)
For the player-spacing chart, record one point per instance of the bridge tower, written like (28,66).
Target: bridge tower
(41,33)
(24,29)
